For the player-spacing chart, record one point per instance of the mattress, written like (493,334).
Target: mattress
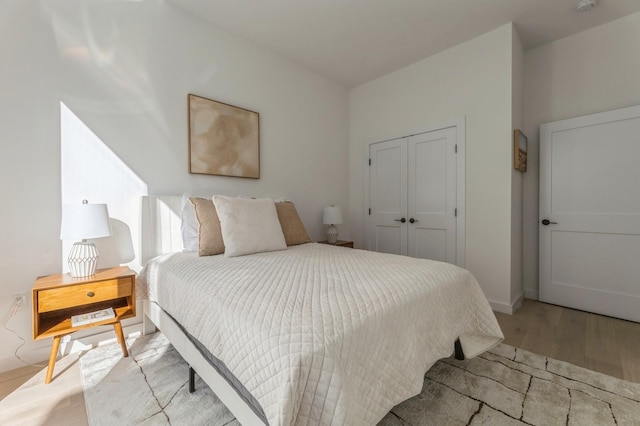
(321,334)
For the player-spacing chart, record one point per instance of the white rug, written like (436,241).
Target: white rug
(150,387)
(506,386)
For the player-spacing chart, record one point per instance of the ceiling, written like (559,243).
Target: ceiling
(355,41)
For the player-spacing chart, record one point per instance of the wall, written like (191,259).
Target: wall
(593,71)
(117,75)
(471,80)
(517,201)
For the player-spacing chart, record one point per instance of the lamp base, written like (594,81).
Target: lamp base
(332,234)
(83,259)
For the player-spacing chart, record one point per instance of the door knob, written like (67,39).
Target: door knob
(403,220)
(412,220)
(546,222)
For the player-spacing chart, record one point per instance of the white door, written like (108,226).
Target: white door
(432,195)
(412,196)
(590,213)
(388,197)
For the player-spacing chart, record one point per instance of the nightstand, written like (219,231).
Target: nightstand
(56,298)
(340,243)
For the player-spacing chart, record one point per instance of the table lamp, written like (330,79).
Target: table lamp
(332,216)
(81,222)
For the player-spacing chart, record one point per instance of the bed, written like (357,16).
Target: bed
(314,334)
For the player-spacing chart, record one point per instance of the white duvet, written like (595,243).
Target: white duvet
(325,335)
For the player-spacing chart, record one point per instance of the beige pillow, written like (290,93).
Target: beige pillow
(249,225)
(210,240)
(292,226)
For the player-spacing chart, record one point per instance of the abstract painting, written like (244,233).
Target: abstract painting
(224,140)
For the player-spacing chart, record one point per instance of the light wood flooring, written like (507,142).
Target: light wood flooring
(592,341)
(26,400)
(596,342)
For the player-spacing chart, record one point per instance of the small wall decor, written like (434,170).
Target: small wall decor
(519,151)
(224,140)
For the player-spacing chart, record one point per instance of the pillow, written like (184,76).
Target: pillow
(210,240)
(249,225)
(292,226)
(189,227)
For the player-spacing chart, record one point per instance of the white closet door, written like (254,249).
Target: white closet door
(432,195)
(590,213)
(388,196)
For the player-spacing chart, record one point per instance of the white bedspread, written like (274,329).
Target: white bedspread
(321,334)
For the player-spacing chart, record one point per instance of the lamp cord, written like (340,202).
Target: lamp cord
(14,311)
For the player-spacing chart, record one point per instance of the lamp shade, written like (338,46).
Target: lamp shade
(84,221)
(332,216)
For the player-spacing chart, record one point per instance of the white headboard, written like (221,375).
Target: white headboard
(160,225)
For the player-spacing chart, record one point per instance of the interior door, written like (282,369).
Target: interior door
(432,195)
(388,197)
(590,213)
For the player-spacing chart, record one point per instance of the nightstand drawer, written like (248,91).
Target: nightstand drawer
(72,296)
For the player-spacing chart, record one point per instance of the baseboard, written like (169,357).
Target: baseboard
(69,344)
(516,304)
(531,294)
(506,308)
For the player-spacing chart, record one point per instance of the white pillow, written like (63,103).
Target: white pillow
(249,225)
(189,226)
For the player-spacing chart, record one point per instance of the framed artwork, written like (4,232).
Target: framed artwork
(224,140)
(519,151)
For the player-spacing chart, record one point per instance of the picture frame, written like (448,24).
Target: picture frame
(520,143)
(224,140)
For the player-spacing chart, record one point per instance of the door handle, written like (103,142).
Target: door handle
(403,220)
(546,222)
(412,220)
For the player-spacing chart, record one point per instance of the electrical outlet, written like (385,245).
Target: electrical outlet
(19,299)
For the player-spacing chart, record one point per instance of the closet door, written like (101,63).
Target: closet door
(387,232)
(431,198)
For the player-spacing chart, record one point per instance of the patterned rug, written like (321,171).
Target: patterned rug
(506,386)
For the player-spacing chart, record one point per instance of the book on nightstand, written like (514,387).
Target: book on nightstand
(88,318)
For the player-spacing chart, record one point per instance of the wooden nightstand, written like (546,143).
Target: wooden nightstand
(340,243)
(58,297)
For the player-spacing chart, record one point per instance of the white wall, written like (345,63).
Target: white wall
(471,80)
(517,122)
(124,69)
(593,71)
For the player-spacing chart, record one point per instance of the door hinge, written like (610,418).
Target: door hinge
(369,212)
(369,161)
(456,149)
(455,212)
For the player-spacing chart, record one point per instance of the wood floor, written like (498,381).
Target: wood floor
(592,341)
(26,400)
(596,342)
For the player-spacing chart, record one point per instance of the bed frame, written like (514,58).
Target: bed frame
(160,226)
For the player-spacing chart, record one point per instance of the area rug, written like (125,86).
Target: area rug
(505,386)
